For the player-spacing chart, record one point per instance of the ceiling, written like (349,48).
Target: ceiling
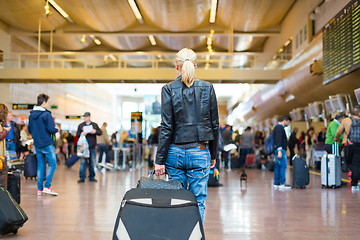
(174,24)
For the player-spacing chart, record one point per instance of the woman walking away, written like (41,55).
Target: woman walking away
(189,129)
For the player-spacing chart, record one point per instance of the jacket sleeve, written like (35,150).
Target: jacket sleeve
(3,134)
(277,137)
(50,124)
(214,114)
(167,125)
(79,131)
(98,130)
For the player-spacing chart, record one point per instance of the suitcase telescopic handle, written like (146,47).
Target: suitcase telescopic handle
(167,175)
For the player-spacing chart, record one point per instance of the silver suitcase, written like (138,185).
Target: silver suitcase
(331,169)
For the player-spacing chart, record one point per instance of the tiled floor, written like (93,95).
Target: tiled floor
(88,210)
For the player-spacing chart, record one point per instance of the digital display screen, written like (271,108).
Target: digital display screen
(357,95)
(341,43)
(338,104)
(329,106)
(307,111)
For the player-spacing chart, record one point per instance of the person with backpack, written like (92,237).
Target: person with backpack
(280,146)
(350,126)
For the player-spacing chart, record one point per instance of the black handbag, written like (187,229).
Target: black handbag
(150,182)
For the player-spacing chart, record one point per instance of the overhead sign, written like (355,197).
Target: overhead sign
(22,106)
(73,117)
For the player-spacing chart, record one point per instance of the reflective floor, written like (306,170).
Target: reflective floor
(88,210)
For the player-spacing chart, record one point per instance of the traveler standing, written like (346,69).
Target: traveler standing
(309,143)
(14,134)
(89,130)
(247,145)
(42,128)
(293,141)
(189,129)
(227,138)
(103,143)
(331,132)
(281,143)
(4,131)
(351,140)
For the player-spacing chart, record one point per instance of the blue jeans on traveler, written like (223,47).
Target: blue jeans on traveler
(191,167)
(280,168)
(103,148)
(47,152)
(10,146)
(83,163)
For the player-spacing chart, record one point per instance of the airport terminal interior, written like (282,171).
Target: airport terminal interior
(107,61)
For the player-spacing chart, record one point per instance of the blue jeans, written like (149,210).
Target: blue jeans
(83,163)
(103,148)
(47,152)
(191,167)
(11,146)
(280,168)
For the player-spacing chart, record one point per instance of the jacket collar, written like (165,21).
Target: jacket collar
(39,108)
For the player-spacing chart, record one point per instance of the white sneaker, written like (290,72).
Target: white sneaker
(40,193)
(50,191)
(276,185)
(355,188)
(285,186)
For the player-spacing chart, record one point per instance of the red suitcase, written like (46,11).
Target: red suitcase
(250,160)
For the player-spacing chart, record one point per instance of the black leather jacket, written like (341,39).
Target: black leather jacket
(188,115)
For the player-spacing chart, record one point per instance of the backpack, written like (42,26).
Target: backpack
(269,146)
(354,134)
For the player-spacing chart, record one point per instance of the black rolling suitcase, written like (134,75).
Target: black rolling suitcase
(13,185)
(300,172)
(154,214)
(30,166)
(12,217)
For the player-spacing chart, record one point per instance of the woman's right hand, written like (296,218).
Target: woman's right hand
(159,169)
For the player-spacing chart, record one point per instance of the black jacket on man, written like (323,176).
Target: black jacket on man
(188,115)
(280,139)
(91,138)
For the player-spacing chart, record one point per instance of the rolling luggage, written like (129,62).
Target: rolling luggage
(30,166)
(235,162)
(250,160)
(72,159)
(158,213)
(13,185)
(331,169)
(12,217)
(300,172)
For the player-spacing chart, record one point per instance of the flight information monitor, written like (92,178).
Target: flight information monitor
(341,43)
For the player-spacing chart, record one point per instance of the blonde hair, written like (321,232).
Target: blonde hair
(185,59)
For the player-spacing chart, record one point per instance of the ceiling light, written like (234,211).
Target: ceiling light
(209,41)
(287,42)
(152,40)
(317,10)
(96,41)
(60,10)
(112,57)
(47,9)
(83,39)
(135,10)
(213,8)
(207,58)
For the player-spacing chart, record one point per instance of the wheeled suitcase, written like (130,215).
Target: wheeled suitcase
(235,162)
(250,160)
(158,214)
(13,185)
(300,172)
(72,159)
(12,217)
(331,168)
(330,171)
(30,166)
